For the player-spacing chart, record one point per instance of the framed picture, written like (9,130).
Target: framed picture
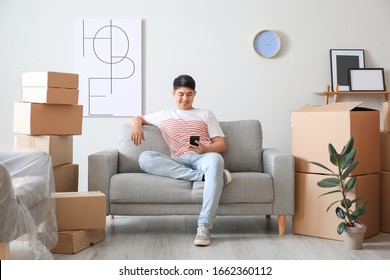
(341,60)
(367,79)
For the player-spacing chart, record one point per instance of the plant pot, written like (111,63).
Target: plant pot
(354,236)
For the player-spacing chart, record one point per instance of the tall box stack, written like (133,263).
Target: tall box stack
(313,128)
(47,118)
(385,171)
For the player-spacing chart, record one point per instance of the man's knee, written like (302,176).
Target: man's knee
(145,158)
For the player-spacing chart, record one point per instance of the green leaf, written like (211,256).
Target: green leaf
(333,203)
(349,158)
(357,213)
(335,191)
(340,213)
(350,184)
(320,165)
(331,150)
(346,203)
(349,170)
(336,159)
(341,227)
(348,147)
(361,206)
(329,183)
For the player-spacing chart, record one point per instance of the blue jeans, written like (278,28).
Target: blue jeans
(191,166)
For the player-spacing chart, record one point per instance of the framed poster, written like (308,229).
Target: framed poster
(367,79)
(341,60)
(109,63)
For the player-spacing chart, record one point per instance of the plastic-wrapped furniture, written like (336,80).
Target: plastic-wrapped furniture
(263,178)
(26,206)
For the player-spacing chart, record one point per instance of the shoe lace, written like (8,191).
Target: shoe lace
(203,232)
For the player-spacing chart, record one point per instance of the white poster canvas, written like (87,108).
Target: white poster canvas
(109,64)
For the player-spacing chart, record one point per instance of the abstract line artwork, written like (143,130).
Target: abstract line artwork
(109,64)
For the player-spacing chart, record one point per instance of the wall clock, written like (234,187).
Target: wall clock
(267,43)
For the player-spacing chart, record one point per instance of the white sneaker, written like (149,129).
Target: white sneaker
(227,177)
(202,237)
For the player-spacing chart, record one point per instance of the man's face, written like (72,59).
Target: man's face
(184,98)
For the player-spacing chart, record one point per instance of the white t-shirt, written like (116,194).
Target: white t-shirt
(177,126)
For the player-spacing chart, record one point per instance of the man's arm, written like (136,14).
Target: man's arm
(218,145)
(137,135)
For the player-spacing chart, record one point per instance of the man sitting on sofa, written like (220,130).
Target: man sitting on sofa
(200,161)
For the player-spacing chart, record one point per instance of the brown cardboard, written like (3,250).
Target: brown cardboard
(50,95)
(50,79)
(47,119)
(310,216)
(80,210)
(385,202)
(386,117)
(385,151)
(71,242)
(66,178)
(60,148)
(314,127)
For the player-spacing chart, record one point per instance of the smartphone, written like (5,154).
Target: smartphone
(193,139)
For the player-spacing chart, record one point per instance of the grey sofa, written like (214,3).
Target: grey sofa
(263,178)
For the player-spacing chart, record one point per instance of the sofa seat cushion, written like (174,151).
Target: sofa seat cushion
(246,187)
(146,188)
(29,190)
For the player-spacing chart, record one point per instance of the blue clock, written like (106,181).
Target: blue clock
(267,43)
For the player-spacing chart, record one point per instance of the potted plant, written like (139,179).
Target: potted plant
(342,182)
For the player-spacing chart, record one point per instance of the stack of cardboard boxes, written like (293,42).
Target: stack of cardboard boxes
(385,170)
(313,128)
(46,120)
(81,220)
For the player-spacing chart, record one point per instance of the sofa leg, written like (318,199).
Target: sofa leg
(282,224)
(112,216)
(268,216)
(4,251)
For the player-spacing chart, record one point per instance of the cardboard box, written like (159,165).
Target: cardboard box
(50,79)
(314,127)
(386,116)
(310,216)
(385,151)
(385,202)
(66,178)
(50,95)
(71,242)
(47,119)
(80,210)
(60,148)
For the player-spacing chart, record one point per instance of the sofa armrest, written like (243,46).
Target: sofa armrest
(281,167)
(101,167)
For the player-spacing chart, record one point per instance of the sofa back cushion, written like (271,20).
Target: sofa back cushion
(244,141)
(129,153)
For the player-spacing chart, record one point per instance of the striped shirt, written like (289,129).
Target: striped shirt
(177,126)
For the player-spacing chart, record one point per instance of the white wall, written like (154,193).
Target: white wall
(209,39)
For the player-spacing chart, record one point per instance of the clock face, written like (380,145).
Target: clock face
(267,43)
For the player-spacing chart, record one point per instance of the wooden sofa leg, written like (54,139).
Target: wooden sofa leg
(4,251)
(282,224)
(268,216)
(112,216)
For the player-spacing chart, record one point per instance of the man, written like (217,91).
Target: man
(201,161)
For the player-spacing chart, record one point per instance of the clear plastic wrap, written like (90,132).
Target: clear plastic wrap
(26,205)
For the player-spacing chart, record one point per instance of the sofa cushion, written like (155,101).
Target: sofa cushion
(142,188)
(244,141)
(129,153)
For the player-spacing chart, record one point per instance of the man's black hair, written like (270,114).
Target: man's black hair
(184,81)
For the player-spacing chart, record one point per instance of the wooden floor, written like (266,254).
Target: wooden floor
(233,238)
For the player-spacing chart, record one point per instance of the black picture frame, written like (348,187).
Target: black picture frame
(367,79)
(341,60)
